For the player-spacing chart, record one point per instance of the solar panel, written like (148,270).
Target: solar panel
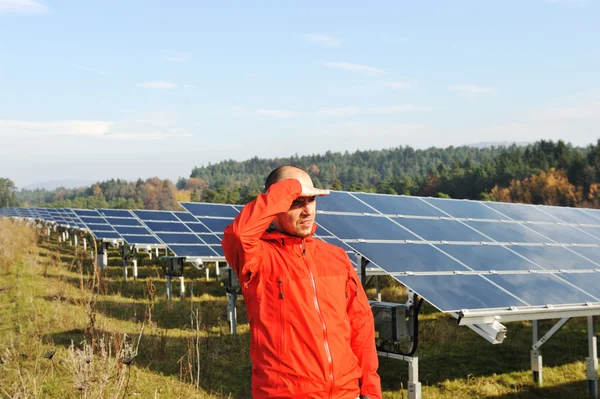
(97,225)
(181,232)
(472,255)
(130,228)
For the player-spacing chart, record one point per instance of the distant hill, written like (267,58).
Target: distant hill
(490,144)
(54,184)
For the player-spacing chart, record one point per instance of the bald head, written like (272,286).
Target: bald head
(288,172)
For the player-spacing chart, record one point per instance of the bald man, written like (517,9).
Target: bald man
(311,326)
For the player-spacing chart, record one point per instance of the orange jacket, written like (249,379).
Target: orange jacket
(311,326)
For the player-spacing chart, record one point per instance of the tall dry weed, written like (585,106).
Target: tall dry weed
(17,242)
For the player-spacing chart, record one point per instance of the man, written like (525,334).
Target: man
(311,326)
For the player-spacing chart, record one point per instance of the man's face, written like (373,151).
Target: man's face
(300,218)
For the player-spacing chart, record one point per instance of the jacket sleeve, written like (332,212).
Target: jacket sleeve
(363,336)
(241,240)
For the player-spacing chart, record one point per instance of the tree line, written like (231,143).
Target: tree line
(544,172)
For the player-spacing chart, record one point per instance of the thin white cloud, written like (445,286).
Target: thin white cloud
(397,85)
(276,113)
(22,7)
(270,113)
(323,39)
(88,69)
(568,2)
(158,84)
(386,110)
(128,130)
(173,56)
(357,68)
(472,89)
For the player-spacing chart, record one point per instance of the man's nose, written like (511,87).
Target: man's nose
(307,208)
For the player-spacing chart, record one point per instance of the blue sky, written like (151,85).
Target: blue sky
(100,89)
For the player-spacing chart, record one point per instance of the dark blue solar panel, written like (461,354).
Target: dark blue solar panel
(185,216)
(342,202)
(336,242)
(363,227)
(168,227)
(144,239)
(132,230)
(553,258)
(541,289)
(399,205)
(169,238)
(507,232)
(210,238)
(589,282)
(197,227)
(193,250)
(568,215)
(105,235)
(88,220)
(441,230)
(521,212)
(100,227)
(456,292)
(156,215)
(218,210)
(592,253)
(465,209)
(216,225)
(594,215)
(487,257)
(86,212)
(218,250)
(591,230)
(120,213)
(564,234)
(123,221)
(407,257)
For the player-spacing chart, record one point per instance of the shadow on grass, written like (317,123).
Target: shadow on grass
(449,352)
(571,390)
(224,363)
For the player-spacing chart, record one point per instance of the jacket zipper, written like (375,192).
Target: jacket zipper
(282,316)
(316,302)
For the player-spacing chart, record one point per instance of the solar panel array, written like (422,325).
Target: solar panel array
(180,232)
(457,254)
(461,254)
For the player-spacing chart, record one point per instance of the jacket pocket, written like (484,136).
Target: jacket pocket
(282,318)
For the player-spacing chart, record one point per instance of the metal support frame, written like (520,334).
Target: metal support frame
(102,258)
(536,352)
(232,312)
(414,386)
(592,361)
(181,287)
(169,288)
(135,268)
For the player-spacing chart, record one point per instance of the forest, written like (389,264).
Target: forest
(544,172)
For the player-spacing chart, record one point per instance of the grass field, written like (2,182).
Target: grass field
(67,333)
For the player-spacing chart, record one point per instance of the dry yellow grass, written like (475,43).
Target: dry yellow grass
(186,352)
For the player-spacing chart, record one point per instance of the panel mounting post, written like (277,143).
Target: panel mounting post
(536,355)
(181,287)
(169,288)
(135,269)
(414,386)
(84,244)
(592,360)
(125,256)
(232,312)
